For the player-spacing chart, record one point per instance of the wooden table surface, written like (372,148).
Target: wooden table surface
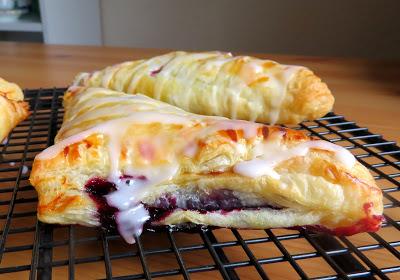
(367,92)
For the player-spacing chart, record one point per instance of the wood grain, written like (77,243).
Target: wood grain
(367,92)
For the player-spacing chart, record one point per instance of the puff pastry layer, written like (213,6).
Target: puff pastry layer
(219,84)
(129,160)
(12,108)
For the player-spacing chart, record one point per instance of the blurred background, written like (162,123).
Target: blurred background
(357,28)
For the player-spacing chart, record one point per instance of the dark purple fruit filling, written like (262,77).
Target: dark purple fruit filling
(202,201)
(97,188)
(217,200)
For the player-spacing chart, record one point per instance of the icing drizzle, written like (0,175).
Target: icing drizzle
(219,76)
(132,182)
(268,155)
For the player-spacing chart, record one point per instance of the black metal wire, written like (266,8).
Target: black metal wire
(13,199)
(106,252)
(329,259)
(215,254)
(251,256)
(286,254)
(142,257)
(178,255)
(37,132)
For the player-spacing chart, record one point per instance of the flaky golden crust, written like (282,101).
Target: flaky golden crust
(308,99)
(12,108)
(313,188)
(216,83)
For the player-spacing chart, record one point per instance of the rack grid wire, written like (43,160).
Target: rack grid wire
(31,249)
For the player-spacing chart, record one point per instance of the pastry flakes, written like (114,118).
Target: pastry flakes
(216,83)
(130,162)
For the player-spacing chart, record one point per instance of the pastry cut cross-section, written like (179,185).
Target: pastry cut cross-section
(13,109)
(129,162)
(219,84)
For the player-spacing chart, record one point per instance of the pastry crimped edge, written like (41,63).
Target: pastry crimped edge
(13,109)
(303,96)
(307,99)
(315,189)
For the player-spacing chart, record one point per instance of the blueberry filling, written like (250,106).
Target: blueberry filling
(222,200)
(217,200)
(97,188)
(201,201)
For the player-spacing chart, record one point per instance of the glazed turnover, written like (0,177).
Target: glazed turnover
(215,83)
(12,107)
(131,162)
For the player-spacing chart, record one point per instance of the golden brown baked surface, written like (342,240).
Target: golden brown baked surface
(216,83)
(12,108)
(120,156)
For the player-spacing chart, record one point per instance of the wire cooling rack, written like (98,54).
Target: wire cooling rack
(30,249)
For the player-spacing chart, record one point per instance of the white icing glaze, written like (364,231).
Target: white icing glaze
(143,110)
(114,129)
(280,80)
(188,78)
(218,61)
(131,215)
(256,167)
(179,66)
(135,78)
(25,169)
(251,70)
(145,68)
(109,74)
(341,154)
(154,175)
(272,153)
(234,100)
(130,222)
(279,76)
(214,98)
(249,128)
(186,72)
(127,197)
(191,149)
(130,191)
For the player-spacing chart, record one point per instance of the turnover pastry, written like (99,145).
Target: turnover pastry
(12,108)
(130,161)
(215,83)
